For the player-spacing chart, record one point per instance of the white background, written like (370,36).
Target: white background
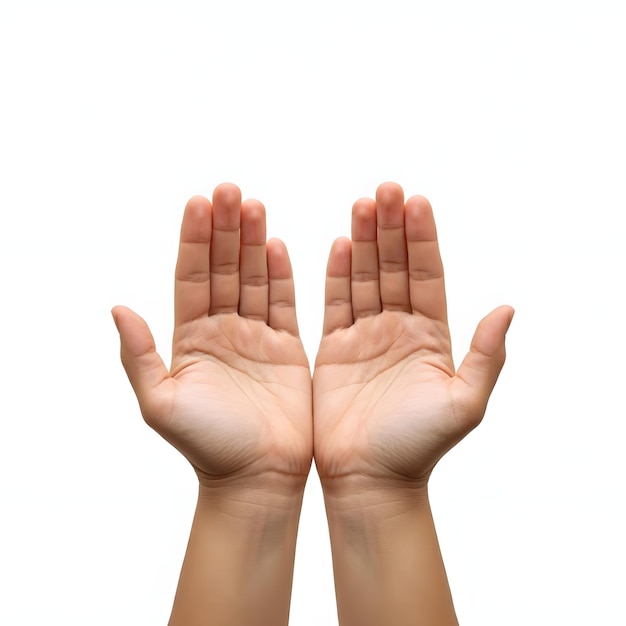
(509,117)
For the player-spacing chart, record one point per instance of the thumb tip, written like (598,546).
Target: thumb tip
(114,316)
(511,315)
(506,313)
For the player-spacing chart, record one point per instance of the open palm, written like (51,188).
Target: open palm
(237,398)
(387,400)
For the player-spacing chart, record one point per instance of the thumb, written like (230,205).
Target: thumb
(479,371)
(144,367)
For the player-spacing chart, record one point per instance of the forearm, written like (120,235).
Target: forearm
(386,558)
(238,568)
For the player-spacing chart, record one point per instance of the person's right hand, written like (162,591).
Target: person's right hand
(388,403)
(237,399)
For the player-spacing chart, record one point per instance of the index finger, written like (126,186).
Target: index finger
(426,280)
(192,293)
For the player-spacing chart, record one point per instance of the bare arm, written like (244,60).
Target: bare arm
(388,404)
(237,403)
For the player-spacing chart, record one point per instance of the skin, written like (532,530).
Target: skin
(388,404)
(236,402)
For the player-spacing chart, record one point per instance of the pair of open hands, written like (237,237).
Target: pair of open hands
(385,402)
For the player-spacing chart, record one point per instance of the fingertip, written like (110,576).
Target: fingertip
(419,201)
(253,209)
(197,209)
(121,314)
(480,369)
(337,296)
(419,220)
(363,207)
(143,365)
(277,243)
(282,298)
(253,224)
(497,323)
(226,207)
(510,312)
(114,316)
(340,257)
(135,335)
(278,261)
(227,190)
(388,190)
(490,332)
(364,220)
(197,201)
(196,223)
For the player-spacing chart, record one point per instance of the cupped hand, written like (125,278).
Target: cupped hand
(237,398)
(388,403)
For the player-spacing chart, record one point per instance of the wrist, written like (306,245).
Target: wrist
(370,494)
(268,496)
(369,507)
